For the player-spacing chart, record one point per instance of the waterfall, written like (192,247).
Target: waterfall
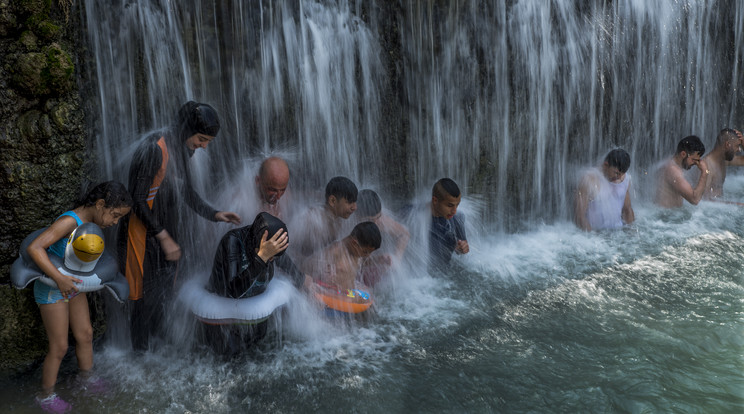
(507,98)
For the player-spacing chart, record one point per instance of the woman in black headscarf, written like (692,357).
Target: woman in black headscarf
(243,267)
(245,258)
(159,183)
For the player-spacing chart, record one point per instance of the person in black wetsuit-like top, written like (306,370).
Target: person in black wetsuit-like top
(244,261)
(447,231)
(243,267)
(159,183)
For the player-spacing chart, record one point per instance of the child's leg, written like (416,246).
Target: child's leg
(56,322)
(82,331)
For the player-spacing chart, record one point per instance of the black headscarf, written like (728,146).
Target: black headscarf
(197,118)
(263,222)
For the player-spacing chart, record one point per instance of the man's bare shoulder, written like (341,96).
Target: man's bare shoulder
(670,170)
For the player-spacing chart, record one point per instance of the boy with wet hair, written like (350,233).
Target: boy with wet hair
(395,236)
(322,225)
(603,197)
(672,186)
(341,263)
(447,230)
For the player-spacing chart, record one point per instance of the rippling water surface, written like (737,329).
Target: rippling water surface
(648,319)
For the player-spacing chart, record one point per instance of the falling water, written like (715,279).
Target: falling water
(507,98)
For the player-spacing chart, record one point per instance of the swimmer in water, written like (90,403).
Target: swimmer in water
(602,200)
(447,231)
(672,186)
(723,154)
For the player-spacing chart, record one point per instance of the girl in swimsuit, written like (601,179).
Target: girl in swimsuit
(65,308)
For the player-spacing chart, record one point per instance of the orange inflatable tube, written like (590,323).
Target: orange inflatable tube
(343,300)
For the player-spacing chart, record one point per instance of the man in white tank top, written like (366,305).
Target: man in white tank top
(602,200)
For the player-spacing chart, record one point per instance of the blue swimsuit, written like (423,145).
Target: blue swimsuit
(43,293)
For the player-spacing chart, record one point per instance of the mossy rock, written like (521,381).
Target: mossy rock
(46,72)
(43,27)
(22,335)
(34,7)
(28,74)
(66,116)
(28,41)
(8,21)
(59,70)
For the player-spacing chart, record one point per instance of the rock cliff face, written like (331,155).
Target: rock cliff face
(42,151)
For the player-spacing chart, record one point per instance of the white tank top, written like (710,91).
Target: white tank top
(605,211)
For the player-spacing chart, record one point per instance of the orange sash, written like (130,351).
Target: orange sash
(138,232)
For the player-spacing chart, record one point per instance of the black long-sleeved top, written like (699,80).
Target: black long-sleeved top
(238,271)
(175,186)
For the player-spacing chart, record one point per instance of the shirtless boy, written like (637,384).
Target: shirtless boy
(341,263)
(322,225)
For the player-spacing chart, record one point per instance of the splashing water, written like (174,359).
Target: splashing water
(506,99)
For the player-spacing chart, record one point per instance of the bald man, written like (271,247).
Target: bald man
(271,182)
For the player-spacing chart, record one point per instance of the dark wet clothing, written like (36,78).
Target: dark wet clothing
(238,272)
(443,237)
(176,186)
(167,213)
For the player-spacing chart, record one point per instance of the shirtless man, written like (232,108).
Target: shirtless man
(603,198)
(271,183)
(340,263)
(721,156)
(672,186)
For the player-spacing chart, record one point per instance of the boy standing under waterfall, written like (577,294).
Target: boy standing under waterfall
(602,200)
(341,263)
(672,186)
(395,237)
(447,231)
(159,183)
(322,225)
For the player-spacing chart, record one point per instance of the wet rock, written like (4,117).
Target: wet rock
(45,72)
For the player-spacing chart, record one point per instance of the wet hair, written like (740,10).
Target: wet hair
(113,194)
(263,222)
(341,187)
(443,187)
(368,203)
(619,159)
(726,134)
(367,234)
(691,144)
(197,118)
